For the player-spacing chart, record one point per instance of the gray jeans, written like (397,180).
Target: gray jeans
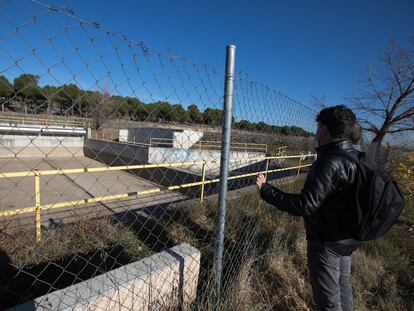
(330,278)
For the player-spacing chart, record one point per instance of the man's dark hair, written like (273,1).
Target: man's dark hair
(339,120)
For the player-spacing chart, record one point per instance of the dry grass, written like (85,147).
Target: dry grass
(80,237)
(243,294)
(286,275)
(265,256)
(374,287)
(275,276)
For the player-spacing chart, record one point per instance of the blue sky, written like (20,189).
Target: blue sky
(296,47)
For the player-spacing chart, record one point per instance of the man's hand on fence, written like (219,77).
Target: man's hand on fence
(260,180)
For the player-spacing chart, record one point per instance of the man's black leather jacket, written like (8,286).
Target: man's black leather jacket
(326,197)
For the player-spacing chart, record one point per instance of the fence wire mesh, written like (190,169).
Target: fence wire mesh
(109,168)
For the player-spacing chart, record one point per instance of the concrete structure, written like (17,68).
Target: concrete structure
(127,154)
(40,141)
(40,146)
(152,145)
(118,153)
(165,280)
(186,138)
(175,138)
(172,155)
(61,151)
(123,135)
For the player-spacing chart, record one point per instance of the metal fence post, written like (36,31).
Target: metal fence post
(224,169)
(267,167)
(203,179)
(37,205)
(300,163)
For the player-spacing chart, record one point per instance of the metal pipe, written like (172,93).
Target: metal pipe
(224,168)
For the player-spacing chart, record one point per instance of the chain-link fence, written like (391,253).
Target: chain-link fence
(110,168)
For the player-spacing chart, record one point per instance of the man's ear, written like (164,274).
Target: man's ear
(323,129)
(326,132)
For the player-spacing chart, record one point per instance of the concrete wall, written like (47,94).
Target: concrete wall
(115,153)
(167,279)
(118,153)
(41,145)
(170,155)
(30,140)
(183,139)
(143,135)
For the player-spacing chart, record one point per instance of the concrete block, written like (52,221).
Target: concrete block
(123,135)
(186,139)
(166,279)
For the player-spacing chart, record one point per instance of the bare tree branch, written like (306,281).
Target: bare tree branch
(406,129)
(374,88)
(386,101)
(404,115)
(371,127)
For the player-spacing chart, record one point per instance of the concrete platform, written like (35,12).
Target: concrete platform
(17,193)
(166,280)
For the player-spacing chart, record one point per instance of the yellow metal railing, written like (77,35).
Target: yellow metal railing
(216,144)
(282,150)
(46,122)
(204,144)
(37,175)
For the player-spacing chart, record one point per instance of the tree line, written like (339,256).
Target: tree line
(25,95)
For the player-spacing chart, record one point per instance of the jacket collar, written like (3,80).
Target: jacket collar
(340,144)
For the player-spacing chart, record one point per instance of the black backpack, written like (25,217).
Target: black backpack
(378,200)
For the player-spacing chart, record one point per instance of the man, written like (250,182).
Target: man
(325,203)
